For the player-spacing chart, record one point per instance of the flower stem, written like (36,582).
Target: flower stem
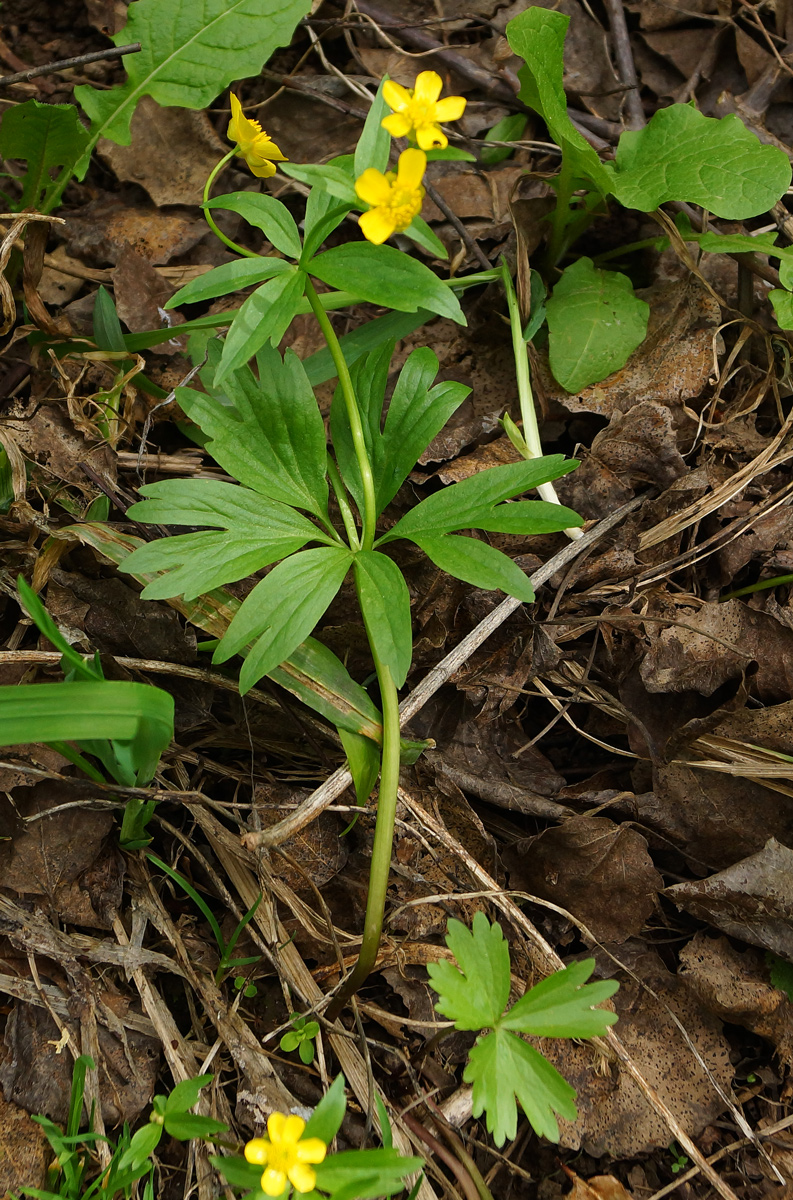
(383,838)
(353,416)
(340,492)
(210,220)
(531,430)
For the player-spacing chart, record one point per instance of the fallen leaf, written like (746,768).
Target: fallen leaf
(141,294)
(104,229)
(598,1187)
(24,1150)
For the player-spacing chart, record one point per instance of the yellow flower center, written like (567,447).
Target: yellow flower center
(404,204)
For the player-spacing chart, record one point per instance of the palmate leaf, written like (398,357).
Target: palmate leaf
(256,532)
(503,1068)
(273,440)
(473,996)
(190,52)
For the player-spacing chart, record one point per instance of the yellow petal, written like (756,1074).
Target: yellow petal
(377,224)
(311,1150)
(431,137)
(373,187)
(427,87)
(264,147)
(302,1177)
(398,124)
(451,108)
(293,1128)
(275,1126)
(412,165)
(395,95)
(262,170)
(273,1182)
(257,1151)
(233,132)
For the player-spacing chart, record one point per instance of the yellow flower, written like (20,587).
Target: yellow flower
(256,147)
(395,197)
(418,110)
(285,1156)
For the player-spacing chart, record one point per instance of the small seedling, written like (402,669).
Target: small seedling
(301,1038)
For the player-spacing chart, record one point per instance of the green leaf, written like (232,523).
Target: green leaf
(595,322)
(374,144)
(325,1121)
(334,179)
(682,155)
(257,532)
(367,1170)
(503,1068)
(264,317)
(475,995)
(783,307)
(318,678)
(560,1006)
(190,53)
(385,606)
(290,1041)
(477,563)
(108,333)
(386,276)
(508,129)
(781,972)
(185,1095)
(282,610)
(306,1051)
(239,1173)
(450,154)
(230,277)
(390,328)
(537,35)
(785,269)
(324,213)
(72,663)
(143,1143)
(363,759)
(46,137)
(185,1126)
(419,232)
(471,503)
(266,213)
(273,440)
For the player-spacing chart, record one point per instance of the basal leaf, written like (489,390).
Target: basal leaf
(503,1068)
(477,563)
(595,322)
(385,606)
(464,504)
(474,995)
(273,440)
(537,35)
(264,317)
(266,213)
(508,129)
(282,610)
(229,277)
(50,139)
(682,155)
(561,1005)
(190,52)
(384,275)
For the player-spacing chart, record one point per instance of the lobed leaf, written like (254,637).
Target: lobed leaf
(474,995)
(46,137)
(560,1006)
(503,1069)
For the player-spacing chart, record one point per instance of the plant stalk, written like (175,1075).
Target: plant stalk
(531,430)
(561,215)
(383,838)
(353,415)
(340,492)
(210,220)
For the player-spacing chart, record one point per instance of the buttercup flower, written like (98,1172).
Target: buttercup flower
(285,1156)
(418,110)
(256,147)
(395,197)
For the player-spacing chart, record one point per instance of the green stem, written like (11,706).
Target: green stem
(561,214)
(380,868)
(210,220)
(353,415)
(340,492)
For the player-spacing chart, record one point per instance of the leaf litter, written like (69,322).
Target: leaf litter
(617,758)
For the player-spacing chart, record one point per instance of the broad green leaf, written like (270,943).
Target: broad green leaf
(190,53)
(144,1141)
(374,144)
(508,129)
(474,995)
(266,213)
(537,35)
(366,1169)
(257,531)
(419,232)
(385,606)
(595,322)
(477,563)
(463,505)
(317,677)
(783,307)
(450,154)
(273,440)
(185,1126)
(786,270)
(46,137)
(384,275)
(334,179)
(503,1068)
(682,155)
(239,1173)
(325,1121)
(530,517)
(561,1006)
(282,610)
(229,277)
(186,1094)
(324,213)
(264,317)
(363,759)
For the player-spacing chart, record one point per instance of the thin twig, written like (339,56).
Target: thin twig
(451,216)
(64,64)
(626,68)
